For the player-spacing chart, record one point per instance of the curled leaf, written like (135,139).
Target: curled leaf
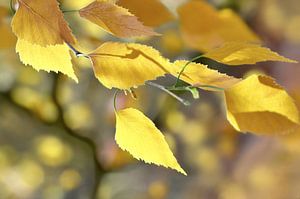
(138,135)
(201,76)
(259,105)
(238,53)
(143,10)
(41,22)
(55,58)
(115,19)
(127,65)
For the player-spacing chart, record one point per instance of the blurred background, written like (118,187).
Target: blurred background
(57,137)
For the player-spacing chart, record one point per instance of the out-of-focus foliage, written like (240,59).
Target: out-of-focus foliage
(203,27)
(145,13)
(39,160)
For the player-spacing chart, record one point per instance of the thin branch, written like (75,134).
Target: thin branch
(11,5)
(77,52)
(69,11)
(183,101)
(184,67)
(115,99)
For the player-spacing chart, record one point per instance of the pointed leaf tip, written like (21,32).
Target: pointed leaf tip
(239,53)
(54,58)
(138,135)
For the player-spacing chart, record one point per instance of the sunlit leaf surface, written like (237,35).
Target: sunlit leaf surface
(138,135)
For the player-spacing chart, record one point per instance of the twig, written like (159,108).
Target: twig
(184,67)
(115,99)
(69,11)
(77,52)
(11,5)
(183,101)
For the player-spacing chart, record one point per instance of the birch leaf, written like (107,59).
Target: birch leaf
(41,22)
(259,105)
(201,76)
(127,65)
(143,10)
(238,53)
(55,58)
(115,19)
(138,135)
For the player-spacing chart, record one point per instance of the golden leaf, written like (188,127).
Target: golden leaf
(199,75)
(55,58)
(144,11)
(259,105)
(127,65)
(115,19)
(138,135)
(41,22)
(238,53)
(204,28)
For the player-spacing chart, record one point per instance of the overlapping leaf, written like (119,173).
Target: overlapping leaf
(41,22)
(151,12)
(115,19)
(138,135)
(55,58)
(199,75)
(126,65)
(259,105)
(204,28)
(238,53)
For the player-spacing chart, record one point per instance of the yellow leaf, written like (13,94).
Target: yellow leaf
(41,22)
(204,28)
(238,53)
(145,9)
(115,19)
(199,75)
(127,65)
(138,135)
(259,105)
(55,58)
